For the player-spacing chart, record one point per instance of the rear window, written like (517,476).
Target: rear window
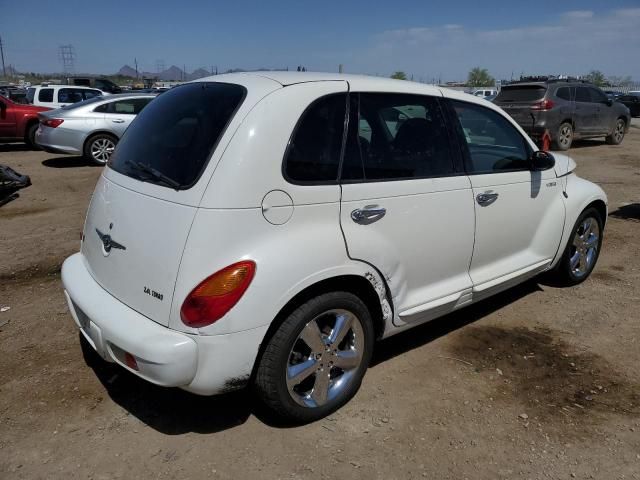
(172,139)
(521,93)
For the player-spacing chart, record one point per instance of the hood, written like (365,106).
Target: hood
(564,164)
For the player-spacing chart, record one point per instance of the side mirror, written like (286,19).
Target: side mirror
(3,106)
(609,102)
(542,160)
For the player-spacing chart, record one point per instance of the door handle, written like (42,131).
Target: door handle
(368,214)
(486,198)
(118,120)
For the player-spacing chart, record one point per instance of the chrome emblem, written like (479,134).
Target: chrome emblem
(108,243)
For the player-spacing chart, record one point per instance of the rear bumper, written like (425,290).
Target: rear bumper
(56,140)
(201,364)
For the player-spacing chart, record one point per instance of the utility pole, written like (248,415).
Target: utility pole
(4,70)
(135,60)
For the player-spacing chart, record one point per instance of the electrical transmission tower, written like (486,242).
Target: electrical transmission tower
(67,57)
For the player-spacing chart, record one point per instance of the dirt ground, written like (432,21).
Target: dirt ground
(536,383)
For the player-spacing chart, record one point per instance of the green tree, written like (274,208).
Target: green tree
(596,77)
(399,75)
(480,77)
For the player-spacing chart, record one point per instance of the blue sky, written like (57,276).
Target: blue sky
(426,39)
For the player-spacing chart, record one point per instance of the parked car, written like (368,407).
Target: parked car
(632,102)
(102,84)
(566,110)
(612,94)
(91,128)
(57,96)
(484,92)
(250,229)
(18,122)
(15,94)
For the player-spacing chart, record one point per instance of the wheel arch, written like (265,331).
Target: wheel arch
(368,287)
(581,194)
(98,132)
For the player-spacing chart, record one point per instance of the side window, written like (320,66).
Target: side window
(314,150)
(69,95)
(104,108)
(124,107)
(582,94)
(396,136)
(493,143)
(45,95)
(564,93)
(597,96)
(139,104)
(87,94)
(30,94)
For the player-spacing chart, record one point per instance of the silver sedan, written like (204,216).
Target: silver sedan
(91,128)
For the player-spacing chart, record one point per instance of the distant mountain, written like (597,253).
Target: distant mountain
(199,73)
(127,71)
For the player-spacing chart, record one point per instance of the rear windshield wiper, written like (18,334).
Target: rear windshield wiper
(155,174)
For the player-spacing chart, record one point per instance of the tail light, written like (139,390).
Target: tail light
(543,105)
(217,294)
(51,122)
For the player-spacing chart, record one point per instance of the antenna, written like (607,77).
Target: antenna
(67,56)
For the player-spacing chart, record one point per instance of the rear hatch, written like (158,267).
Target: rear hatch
(517,101)
(133,237)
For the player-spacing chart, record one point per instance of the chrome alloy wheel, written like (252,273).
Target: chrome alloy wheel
(565,135)
(101,149)
(618,132)
(585,247)
(324,358)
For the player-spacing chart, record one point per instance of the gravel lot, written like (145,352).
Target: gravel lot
(538,382)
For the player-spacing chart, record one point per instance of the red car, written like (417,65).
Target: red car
(19,121)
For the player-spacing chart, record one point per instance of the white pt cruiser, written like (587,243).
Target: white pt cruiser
(265,229)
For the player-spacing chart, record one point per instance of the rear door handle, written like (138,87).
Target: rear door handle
(486,198)
(118,120)
(368,214)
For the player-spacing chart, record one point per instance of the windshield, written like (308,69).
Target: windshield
(172,139)
(521,93)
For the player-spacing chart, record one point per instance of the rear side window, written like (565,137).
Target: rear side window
(45,95)
(521,93)
(493,144)
(87,94)
(172,139)
(314,151)
(564,93)
(394,137)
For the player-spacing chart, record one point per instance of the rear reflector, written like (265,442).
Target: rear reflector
(217,294)
(131,362)
(51,122)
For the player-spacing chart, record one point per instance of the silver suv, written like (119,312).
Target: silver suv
(565,110)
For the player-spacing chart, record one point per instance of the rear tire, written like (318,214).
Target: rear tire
(617,135)
(98,148)
(315,361)
(30,137)
(564,137)
(582,251)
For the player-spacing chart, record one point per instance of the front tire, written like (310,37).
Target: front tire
(581,253)
(315,361)
(98,149)
(617,135)
(564,137)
